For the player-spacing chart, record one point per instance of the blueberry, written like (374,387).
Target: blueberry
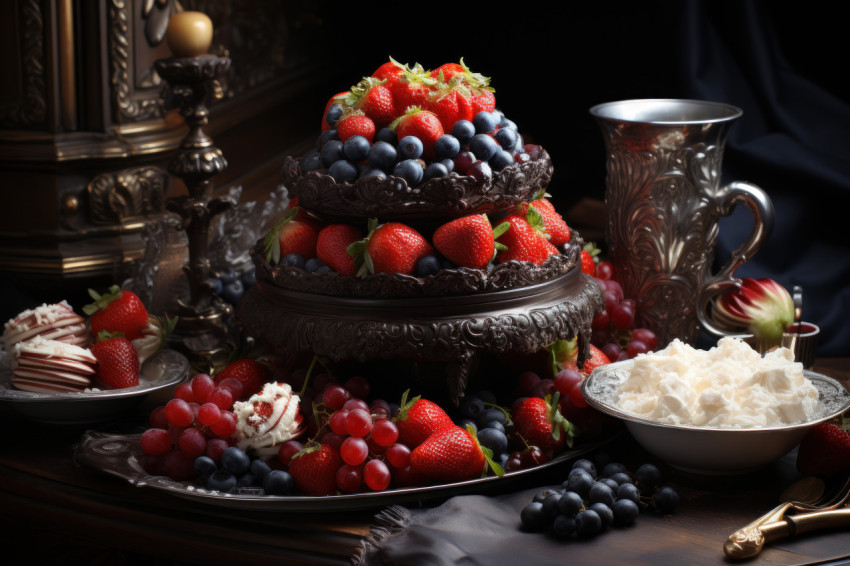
(410,170)
(333,114)
(222,480)
(227,277)
(410,147)
(463,130)
(628,491)
(612,468)
(293,260)
(588,523)
(586,465)
(500,160)
(485,122)
(446,146)
(533,517)
(605,514)
(247,480)
(386,135)
(564,526)
(506,138)
(625,512)
(434,171)
(491,413)
(621,478)
(260,469)
(343,171)
(205,466)
(544,493)
(494,439)
(382,155)
(356,148)
(492,424)
(428,265)
(570,503)
(233,291)
(332,152)
(472,407)
(315,265)
(249,277)
(580,483)
(217,284)
(610,483)
(648,475)
(449,164)
(507,123)
(326,136)
(601,493)
(235,460)
(488,397)
(278,482)
(311,161)
(550,504)
(666,500)
(369,173)
(483,146)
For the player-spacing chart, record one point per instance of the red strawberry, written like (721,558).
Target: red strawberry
(422,124)
(568,357)
(824,451)
(526,239)
(252,374)
(389,71)
(468,241)
(335,98)
(449,455)
(331,246)
(450,103)
(588,266)
(293,234)
(374,98)
(483,100)
(117,362)
(117,311)
(418,419)
(314,469)
(389,248)
(411,88)
(448,70)
(355,123)
(541,424)
(559,232)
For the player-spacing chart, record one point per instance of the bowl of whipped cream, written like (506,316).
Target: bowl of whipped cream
(726,410)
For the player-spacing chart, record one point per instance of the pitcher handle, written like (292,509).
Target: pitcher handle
(761,207)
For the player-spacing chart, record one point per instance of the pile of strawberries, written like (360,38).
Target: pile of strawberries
(532,232)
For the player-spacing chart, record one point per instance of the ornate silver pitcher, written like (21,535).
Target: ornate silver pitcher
(664,200)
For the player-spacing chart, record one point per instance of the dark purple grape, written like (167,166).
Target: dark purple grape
(588,523)
(625,512)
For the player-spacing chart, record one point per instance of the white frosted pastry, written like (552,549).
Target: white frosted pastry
(49,366)
(268,419)
(53,322)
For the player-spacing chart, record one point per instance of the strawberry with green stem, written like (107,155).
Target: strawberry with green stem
(526,239)
(374,98)
(117,311)
(540,423)
(332,244)
(314,469)
(421,124)
(117,361)
(469,241)
(354,122)
(565,356)
(389,248)
(450,102)
(411,88)
(556,227)
(292,234)
(453,454)
(418,418)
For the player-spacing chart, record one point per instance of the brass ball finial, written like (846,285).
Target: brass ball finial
(189,34)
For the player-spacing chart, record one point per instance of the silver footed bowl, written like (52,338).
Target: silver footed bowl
(712,450)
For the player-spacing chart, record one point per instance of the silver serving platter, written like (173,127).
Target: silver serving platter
(712,450)
(164,369)
(120,455)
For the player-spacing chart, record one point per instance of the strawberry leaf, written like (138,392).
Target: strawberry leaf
(100,301)
(501,229)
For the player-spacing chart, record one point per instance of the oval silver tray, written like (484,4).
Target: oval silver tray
(164,369)
(119,455)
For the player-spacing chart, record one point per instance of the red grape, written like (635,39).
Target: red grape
(335,396)
(157,417)
(233,385)
(376,475)
(358,422)
(622,317)
(287,450)
(333,439)
(352,404)
(225,426)
(358,386)
(349,478)
(576,398)
(605,270)
(221,397)
(208,413)
(179,412)
(202,385)
(179,466)
(384,432)
(601,320)
(156,441)
(193,442)
(398,455)
(565,380)
(337,421)
(215,448)
(184,392)
(646,336)
(543,388)
(354,450)
(636,347)
(611,349)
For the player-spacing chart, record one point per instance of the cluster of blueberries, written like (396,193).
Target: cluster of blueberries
(239,471)
(231,285)
(468,150)
(428,265)
(488,422)
(586,503)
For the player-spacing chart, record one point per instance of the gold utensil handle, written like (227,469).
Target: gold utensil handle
(749,541)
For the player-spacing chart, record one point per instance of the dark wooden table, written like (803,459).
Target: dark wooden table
(54,512)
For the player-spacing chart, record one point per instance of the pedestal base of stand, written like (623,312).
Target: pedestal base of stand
(204,337)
